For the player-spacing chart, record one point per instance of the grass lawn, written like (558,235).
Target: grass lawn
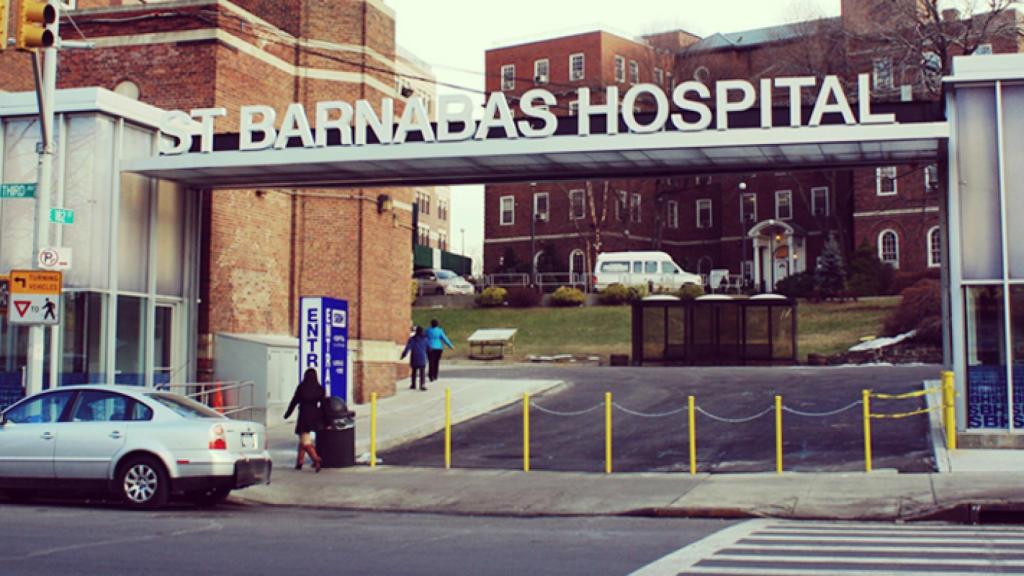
(601,330)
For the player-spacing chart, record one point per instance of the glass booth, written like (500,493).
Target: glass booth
(128,305)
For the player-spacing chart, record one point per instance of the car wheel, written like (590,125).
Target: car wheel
(142,482)
(439,291)
(210,497)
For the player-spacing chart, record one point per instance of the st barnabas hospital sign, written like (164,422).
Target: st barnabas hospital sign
(688,108)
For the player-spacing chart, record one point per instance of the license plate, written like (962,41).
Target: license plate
(248,440)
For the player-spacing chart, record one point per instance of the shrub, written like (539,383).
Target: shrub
(869,276)
(689,291)
(491,297)
(903,280)
(614,295)
(637,293)
(920,309)
(799,285)
(522,297)
(830,273)
(566,296)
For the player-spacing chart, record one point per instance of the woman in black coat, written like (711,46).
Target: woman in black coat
(308,395)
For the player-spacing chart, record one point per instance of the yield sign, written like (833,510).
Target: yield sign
(22,306)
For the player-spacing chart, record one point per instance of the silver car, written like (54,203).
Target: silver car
(440,281)
(141,444)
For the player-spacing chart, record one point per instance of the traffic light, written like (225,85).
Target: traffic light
(33,25)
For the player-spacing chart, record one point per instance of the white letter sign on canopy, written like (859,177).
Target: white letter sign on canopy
(687,109)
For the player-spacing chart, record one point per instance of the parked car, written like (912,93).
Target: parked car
(141,444)
(441,281)
(641,269)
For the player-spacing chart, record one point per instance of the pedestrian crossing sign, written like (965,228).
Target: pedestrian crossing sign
(34,297)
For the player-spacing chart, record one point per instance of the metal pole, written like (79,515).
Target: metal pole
(778,434)
(373,430)
(693,437)
(533,232)
(866,399)
(447,428)
(46,91)
(607,432)
(526,432)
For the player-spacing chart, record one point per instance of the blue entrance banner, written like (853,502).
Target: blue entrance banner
(323,342)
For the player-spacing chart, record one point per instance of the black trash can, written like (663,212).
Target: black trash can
(336,443)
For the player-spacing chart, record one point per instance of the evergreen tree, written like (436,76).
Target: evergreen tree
(830,275)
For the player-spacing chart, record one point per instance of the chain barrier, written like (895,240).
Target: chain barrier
(566,414)
(899,415)
(767,410)
(643,415)
(905,395)
(821,414)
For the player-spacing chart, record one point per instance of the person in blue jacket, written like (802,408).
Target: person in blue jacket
(416,348)
(437,340)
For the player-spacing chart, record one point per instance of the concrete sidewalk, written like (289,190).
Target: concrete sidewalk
(970,478)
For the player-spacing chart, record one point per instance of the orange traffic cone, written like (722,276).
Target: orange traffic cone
(218,399)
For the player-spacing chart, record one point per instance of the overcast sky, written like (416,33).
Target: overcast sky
(452,36)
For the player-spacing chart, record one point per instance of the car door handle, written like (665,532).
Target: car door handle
(116,435)
(47,436)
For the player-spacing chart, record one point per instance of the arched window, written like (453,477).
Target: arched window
(934,247)
(889,248)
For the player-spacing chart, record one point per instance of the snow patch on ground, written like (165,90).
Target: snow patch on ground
(879,343)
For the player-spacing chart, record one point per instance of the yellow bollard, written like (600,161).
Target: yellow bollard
(373,430)
(867,430)
(526,432)
(607,432)
(447,428)
(778,434)
(949,405)
(693,439)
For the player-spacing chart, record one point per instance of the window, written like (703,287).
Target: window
(885,180)
(669,268)
(442,209)
(659,76)
(508,210)
(672,215)
(40,410)
(508,77)
(783,204)
(540,71)
(577,204)
(184,407)
(423,200)
(577,262)
(819,202)
(702,180)
(702,74)
(576,67)
(615,267)
(442,240)
(889,248)
(99,406)
(704,215)
(934,247)
(423,236)
(620,204)
(638,267)
(620,69)
(931,178)
(634,207)
(650,267)
(540,206)
(574,108)
(983,50)
(634,72)
(748,207)
(882,74)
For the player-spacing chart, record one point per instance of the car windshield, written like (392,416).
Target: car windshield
(446,274)
(183,406)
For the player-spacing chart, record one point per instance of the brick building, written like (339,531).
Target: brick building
(262,249)
(761,227)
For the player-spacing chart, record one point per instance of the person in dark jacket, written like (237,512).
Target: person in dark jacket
(307,397)
(416,348)
(436,340)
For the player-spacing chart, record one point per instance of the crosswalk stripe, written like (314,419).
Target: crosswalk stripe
(819,559)
(776,547)
(910,548)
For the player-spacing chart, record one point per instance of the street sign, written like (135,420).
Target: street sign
(62,216)
(323,341)
(5,294)
(34,297)
(54,258)
(17,190)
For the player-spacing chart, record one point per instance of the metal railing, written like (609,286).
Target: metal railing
(542,279)
(234,399)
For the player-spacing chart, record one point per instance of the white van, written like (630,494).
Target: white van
(640,269)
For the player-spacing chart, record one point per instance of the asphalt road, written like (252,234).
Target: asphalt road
(653,434)
(76,539)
